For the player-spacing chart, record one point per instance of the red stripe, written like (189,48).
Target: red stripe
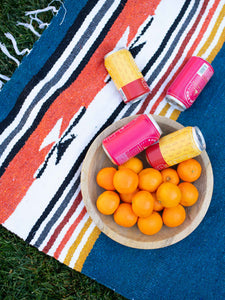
(174,62)
(135,89)
(69,233)
(155,158)
(63,223)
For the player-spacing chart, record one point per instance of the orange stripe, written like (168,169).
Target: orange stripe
(76,243)
(80,93)
(204,27)
(69,233)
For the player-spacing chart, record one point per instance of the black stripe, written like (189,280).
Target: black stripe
(46,105)
(166,38)
(168,53)
(146,27)
(49,63)
(75,122)
(58,213)
(71,174)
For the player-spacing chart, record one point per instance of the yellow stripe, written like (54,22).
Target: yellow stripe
(217,48)
(175,114)
(164,110)
(213,32)
(76,243)
(87,249)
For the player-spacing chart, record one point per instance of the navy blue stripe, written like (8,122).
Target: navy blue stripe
(167,56)
(166,38)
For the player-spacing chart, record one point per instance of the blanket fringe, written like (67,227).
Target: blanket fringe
(33,15)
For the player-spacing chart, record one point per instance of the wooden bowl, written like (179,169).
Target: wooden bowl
(96,159)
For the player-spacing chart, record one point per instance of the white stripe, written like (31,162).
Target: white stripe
(55,67)
(160,107)
(66,227)
(38,197)
(169,112)
(216,39)
(59,220)
(59,84)
(156,23)
(73,238)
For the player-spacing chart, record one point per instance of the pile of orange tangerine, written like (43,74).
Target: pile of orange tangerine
(148,197)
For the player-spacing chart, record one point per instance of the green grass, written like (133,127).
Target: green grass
(26,273)
(11,12)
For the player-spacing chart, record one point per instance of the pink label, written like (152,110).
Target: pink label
(197,84)
(191,81)
(131,139)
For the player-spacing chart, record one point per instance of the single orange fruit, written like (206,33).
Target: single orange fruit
(104,178)
(189,170)
(108,202)
(125,181)
(149,179)
(170,175)
(157,205)
(124,215)
(168,194)
(150,225)
(142,204)
(189,193)
(128,197)
(134,164)
(174,216)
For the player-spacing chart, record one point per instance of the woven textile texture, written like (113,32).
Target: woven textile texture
(61,97)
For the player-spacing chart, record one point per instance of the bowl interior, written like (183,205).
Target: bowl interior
(96,159)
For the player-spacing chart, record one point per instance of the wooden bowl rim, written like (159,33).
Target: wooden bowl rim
(126,241)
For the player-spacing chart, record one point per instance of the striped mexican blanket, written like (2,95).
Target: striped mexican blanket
(61,98)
